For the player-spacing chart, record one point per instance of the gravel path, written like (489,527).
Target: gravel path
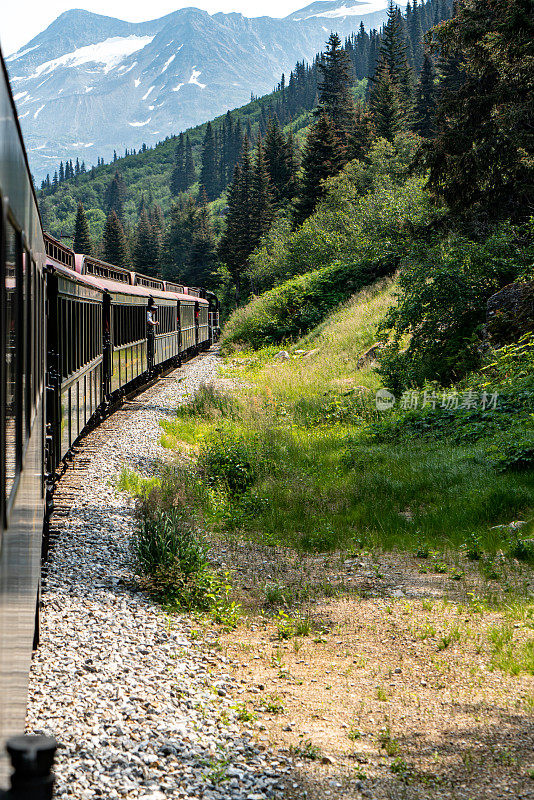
(139,709)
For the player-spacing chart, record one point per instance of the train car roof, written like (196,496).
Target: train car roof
(86,280)
(115,287)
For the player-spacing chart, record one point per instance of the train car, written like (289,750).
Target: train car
(22,377)
(182,317)
(73,337)
(75,353)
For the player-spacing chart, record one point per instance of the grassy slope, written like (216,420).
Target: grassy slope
(305,437)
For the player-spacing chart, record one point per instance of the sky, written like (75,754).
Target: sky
(21,20)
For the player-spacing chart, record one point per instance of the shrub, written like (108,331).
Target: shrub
(226,460)
(165,540)
(295,307)
(210,402)
(442,305)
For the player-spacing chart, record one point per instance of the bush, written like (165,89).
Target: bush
(294,308)
(226,460)
(435,331)
(209,402)
(165,540)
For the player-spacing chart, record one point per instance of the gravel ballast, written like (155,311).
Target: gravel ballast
(140,709)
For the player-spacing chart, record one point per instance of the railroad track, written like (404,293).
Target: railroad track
(72,479)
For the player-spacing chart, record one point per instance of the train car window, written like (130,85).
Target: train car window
(12,285)
(29,328)
(128,324)
(23,345)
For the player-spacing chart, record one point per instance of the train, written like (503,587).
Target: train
(75,337)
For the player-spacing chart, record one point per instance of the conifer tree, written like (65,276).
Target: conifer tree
(82,237)
(323,156)
(209,172)
(114,243)
(176,250)
(237,242)
(178,178)
(189,166)
(115,196)
(426,99)
(261,199)
(203,257)
(334,87)
(393,63)
(145,251)
(481,158)
(415,33)
(362,133)
(385,104)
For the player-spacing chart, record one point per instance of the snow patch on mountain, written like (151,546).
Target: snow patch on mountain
(125,70)
(195,73)
(139,124)
(110,53)
(169,61)
(38,112)
(22,53)
(150,90)
(346,11)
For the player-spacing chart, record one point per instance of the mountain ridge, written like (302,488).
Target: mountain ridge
(91,84)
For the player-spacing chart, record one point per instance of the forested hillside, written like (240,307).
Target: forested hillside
(178,236)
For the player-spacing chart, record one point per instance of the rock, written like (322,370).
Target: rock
(510,313)
(127,691)
(283,355)
(369,356)
(327,760)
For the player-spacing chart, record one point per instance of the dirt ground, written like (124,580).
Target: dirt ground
(377,672)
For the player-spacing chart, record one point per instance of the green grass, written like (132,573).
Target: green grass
(297,454)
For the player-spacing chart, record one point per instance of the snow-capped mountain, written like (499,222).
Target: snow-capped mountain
(90,84)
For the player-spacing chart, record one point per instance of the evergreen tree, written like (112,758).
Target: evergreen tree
(115,196)
(178,178)
(275,157)
(189,167)
(393,56)
(322,158)
(237,242)
(176,252)
(61,176)
(209,172)
(482,157)
(387,111)
(362,134)
(145,252)
(335,97)
(426,99)
(262,209)
(114,243)
(415,33)
(203,258)
(82,237)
